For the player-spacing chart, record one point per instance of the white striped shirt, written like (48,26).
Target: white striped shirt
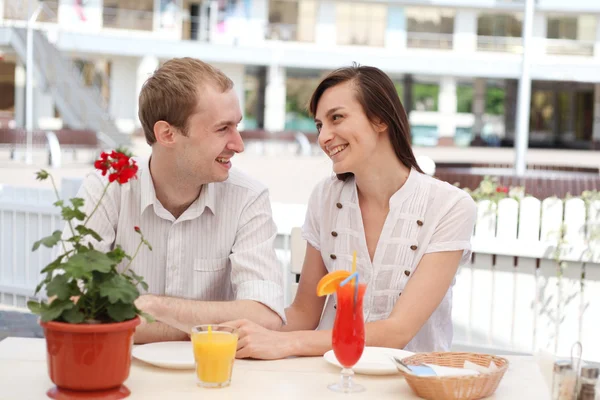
(426,216)
(221,248)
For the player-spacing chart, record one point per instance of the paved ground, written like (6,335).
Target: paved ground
(20,324)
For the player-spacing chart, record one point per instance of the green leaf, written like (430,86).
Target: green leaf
(39,287)
(117,288)
(69,213)
(83,264)
(147,316)
(139,279)
(77,202)
(121,311)
(117,254)
(147,244)
(42,175)
(87,231)
(59,203)
(55,309)
(73,316)
(48,241)
(35,307)
(60,287)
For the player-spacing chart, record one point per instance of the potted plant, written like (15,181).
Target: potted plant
(90,316)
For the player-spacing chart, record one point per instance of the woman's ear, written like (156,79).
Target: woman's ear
(380,126)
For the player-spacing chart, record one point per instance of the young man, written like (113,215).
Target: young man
(210,227)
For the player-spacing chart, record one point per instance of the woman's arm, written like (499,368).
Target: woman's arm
(305,311)
(422,295)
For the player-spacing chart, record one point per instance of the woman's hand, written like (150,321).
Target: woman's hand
(254,341)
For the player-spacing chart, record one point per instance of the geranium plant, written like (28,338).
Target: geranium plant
(83,284)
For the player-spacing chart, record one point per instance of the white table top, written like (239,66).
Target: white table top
(23,375)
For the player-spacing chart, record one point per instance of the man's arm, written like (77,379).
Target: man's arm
(158,332)
(183,314)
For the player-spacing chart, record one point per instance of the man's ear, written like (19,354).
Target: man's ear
(164,133)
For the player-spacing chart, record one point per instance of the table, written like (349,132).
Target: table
(23,375)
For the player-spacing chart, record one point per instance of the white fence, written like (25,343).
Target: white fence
(512,296)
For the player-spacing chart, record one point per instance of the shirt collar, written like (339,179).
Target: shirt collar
(207,198)
(350,191)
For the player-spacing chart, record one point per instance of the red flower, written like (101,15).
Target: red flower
(120,166)
(137,229)
(102,163)
(502,189)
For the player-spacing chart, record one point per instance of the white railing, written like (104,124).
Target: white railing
(513,296)
(424,40)
(500,44)
(566,47)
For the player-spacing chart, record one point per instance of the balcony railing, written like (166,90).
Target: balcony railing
(424,40)
(500,44)
(566,47)
(114,17)
(285,32)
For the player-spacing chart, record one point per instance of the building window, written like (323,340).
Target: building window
(571,35)
(360,23)
(128,14)
(292,20)
(430,28)
(500,32)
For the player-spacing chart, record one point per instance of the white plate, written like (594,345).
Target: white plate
(374,360)
(172,355)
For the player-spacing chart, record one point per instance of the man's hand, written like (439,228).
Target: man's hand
(254,341)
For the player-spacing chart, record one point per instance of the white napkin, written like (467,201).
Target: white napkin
(451,371)
(469,368)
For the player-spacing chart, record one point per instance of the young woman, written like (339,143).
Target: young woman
(410,231)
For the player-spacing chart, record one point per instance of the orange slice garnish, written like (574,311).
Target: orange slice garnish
(330,282)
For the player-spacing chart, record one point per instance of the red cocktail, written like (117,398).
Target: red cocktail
(348,339)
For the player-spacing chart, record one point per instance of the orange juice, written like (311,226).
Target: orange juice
(214,353)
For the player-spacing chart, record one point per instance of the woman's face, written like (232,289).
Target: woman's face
(345,133)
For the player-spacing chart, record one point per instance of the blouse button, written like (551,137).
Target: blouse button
(334,234)
(413,247)
(419,222)
(332,256)
(406,272)
(339,205)
(399,294)
(335,306)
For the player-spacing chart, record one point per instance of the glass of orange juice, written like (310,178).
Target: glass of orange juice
(214,352)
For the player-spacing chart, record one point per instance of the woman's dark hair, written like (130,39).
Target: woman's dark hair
(377,95)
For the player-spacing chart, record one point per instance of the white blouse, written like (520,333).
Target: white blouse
(426,216)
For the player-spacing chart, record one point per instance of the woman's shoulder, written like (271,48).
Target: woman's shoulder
(444,189)
(444,196)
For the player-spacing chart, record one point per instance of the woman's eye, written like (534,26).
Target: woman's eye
(336,117)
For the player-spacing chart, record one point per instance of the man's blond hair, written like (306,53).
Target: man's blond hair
(171,93)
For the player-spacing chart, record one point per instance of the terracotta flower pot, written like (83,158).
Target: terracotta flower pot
(89,357)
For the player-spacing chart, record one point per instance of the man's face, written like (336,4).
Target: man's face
(212,136)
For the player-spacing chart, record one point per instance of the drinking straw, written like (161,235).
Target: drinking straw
(355,292)
(209,332)
(354,261)
(348,279)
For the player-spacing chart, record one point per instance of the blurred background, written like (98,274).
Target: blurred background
(503,98)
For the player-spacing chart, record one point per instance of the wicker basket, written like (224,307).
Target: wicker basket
(455,387)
